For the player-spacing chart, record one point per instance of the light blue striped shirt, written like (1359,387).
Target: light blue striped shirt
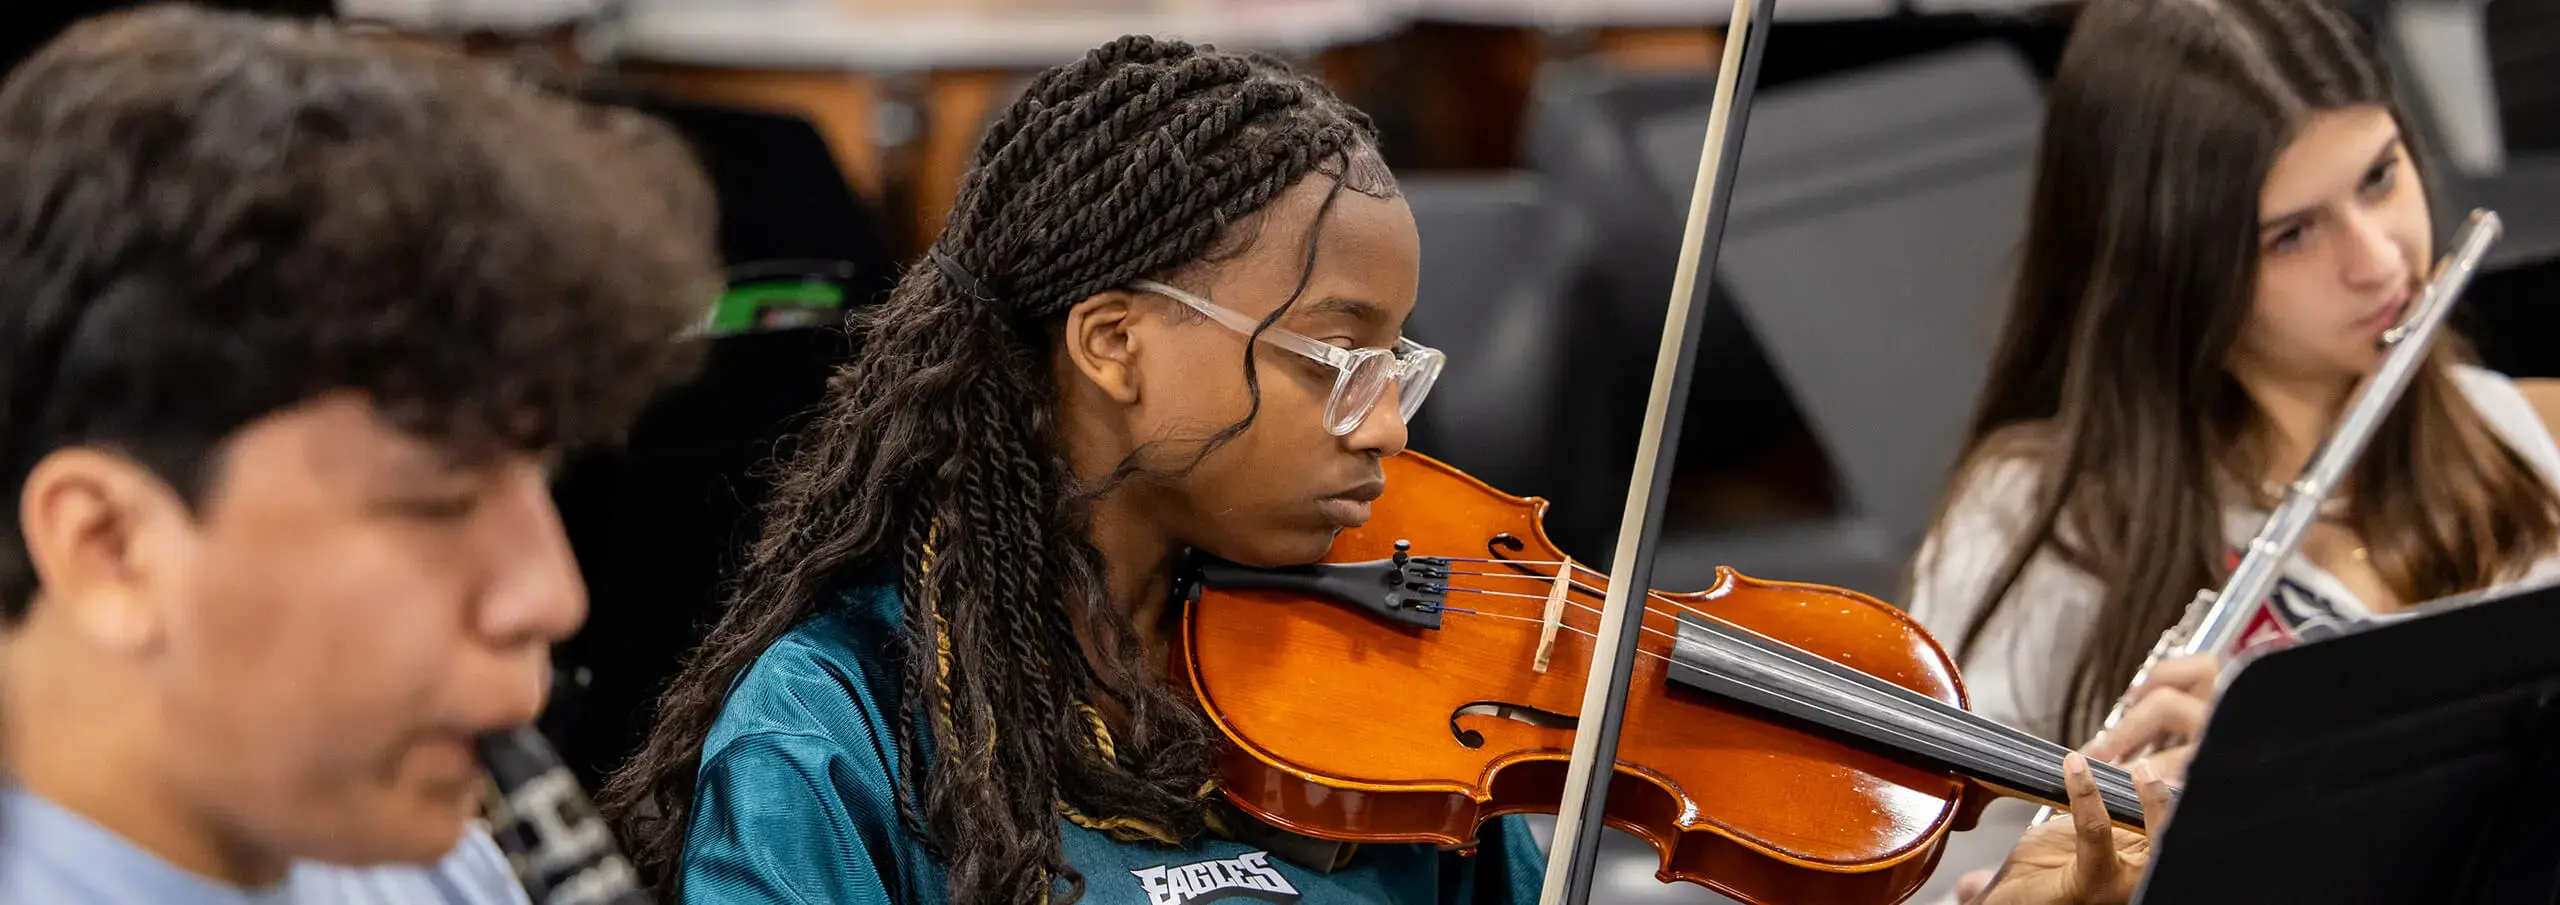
(50,856)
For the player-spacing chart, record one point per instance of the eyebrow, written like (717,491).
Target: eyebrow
(1362,310)
(2290,218)
(437,465)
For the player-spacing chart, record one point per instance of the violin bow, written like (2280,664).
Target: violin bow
(1575,849)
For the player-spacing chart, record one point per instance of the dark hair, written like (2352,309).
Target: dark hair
(2165,118)
(34,24)
(208,217)
(1144,159)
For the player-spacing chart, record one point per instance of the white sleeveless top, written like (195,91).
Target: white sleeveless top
(2021,670)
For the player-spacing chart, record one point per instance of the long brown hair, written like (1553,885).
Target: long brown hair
(2164,119)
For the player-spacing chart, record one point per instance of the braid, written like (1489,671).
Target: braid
(937,452)
(917,671)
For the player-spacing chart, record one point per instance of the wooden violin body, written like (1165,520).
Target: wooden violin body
(1347,726)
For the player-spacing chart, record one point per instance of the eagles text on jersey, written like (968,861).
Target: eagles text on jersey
(1250,877)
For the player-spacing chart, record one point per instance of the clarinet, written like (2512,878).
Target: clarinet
(555,841)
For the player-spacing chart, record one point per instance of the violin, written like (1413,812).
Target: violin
(1445,664)
(1780,743)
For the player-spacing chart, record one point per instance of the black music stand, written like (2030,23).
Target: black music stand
(2413,761)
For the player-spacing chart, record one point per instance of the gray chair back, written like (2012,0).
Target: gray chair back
(1497,259)
(1875,222)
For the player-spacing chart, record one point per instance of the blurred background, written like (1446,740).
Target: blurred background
(1548,149)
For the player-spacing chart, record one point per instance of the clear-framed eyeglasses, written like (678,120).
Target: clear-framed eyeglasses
(1361,376)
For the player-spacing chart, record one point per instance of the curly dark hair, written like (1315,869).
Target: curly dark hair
(1147,158)
(207,217)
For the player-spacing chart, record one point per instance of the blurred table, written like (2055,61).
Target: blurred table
(902,88)
(1562,14)
(1586,14)
(1984,7)
(816,35)
(903,95)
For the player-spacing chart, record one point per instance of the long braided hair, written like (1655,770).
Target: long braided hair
(936,454)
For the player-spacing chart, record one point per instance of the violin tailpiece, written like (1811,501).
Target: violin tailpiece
(1407,590)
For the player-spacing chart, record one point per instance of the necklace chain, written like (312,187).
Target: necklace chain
(2271,495)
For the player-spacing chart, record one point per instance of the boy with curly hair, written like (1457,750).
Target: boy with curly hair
(291,323)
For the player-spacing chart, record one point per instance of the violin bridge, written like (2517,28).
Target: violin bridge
(1555,614)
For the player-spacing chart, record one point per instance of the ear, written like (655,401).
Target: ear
(1102,344)
(97,528)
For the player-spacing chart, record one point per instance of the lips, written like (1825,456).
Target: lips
(2387,316)
(1350,508)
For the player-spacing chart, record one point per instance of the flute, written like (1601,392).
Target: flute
(2215,618)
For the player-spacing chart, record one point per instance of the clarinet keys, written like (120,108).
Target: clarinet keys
(554,839)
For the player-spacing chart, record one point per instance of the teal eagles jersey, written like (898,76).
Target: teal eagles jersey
(796,803)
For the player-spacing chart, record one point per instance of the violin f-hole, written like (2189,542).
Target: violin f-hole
(1505,549)
(1517,713)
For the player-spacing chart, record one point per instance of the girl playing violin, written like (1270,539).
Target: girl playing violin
(1165,314)
(2230,209)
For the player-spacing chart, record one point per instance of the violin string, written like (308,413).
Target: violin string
(1986,736)
(2021,752)
(1567,627)
(1541,597)
(2003,741)
(1593,590)
(1997,749)
(1542,622)
(2002,746)
(1649,609)
(1581,586)
(1714,622)
(2022,759)
(1587,608)
(1576,582)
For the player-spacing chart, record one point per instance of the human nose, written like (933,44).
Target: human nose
(2374,258)
(535,596)
(1381,431)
